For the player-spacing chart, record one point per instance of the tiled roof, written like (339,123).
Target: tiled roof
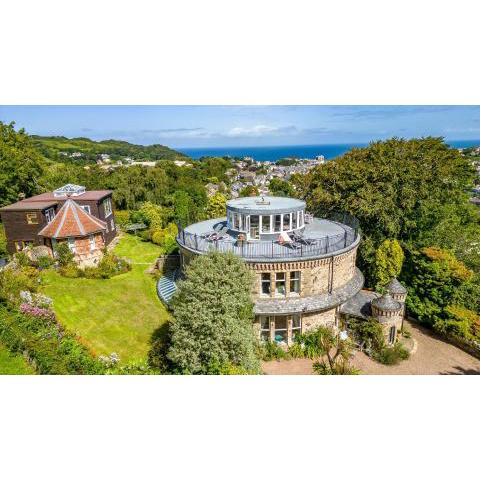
(72,221)
(27,205)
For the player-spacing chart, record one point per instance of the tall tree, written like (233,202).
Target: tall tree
(394,187)
(216,205)
(388,261)
(213,315)
(20,165)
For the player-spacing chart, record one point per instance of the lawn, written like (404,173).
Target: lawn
(13,364)
(115,315)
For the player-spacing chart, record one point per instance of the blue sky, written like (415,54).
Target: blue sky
(219,126)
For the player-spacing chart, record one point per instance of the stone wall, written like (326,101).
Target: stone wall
(315,319)
(317,276)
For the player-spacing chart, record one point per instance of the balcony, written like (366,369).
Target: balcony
(319,238)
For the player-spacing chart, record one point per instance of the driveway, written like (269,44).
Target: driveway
(433,356)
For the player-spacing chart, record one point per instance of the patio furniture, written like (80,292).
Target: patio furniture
(215,230)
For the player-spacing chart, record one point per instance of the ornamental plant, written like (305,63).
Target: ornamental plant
(33,311)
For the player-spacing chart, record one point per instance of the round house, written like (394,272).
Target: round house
(304,266)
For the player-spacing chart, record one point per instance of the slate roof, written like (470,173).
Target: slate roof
(394,286)
(359,306)
(386,303)
(72,221)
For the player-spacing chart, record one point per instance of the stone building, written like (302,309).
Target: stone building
(83,233)
(304,267)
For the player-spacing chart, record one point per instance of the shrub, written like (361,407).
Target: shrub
(50,348)
(367,333)
(63,254)
(14,280)
(272,351)
(392,355)
(122,217)
(70,270)
(213,315)
(341,367)
(44,262)
(388,261)
(38,312)
(22,259)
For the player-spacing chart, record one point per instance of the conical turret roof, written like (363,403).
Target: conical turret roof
(386,303)
(394,286)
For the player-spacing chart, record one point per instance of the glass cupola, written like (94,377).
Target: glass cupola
(264,218)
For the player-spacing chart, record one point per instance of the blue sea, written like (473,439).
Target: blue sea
(262,154)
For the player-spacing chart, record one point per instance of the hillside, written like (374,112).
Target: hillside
(84,150)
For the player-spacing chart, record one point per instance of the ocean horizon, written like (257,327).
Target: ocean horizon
(273,153)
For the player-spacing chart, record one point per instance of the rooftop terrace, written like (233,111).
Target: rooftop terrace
(320,237)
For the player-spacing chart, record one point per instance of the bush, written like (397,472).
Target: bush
(51,349)
(22,259)
(14,280)
(392,355)
(70,270)
(272,351)
(122,217)
(44,262)
(63,254)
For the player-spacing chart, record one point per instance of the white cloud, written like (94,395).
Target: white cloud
(260,131)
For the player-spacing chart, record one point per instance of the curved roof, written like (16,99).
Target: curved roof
(72,221)
(386,303)
(265,204)
(394,286)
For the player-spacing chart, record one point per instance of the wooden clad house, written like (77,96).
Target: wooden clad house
(26,221)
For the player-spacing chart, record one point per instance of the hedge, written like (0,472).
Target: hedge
(50,349)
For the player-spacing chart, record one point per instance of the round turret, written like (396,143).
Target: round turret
(385,307)
(397,290)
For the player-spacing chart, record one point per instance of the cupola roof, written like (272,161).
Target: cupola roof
(386,303)
(394,286)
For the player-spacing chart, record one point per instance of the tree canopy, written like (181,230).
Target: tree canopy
(20,165)
(397,189)
(213,315)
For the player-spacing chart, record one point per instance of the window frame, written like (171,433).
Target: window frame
(49,214)
(91,240)
(72,245)
(279,282)
(264,281)
(295,281)
(86,208)
(107,203)
(269,229)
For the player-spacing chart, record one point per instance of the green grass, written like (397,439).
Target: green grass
(115,315)
(13,364)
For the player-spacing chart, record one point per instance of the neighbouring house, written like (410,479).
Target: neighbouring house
(305,267)
(87,213)
(84,233)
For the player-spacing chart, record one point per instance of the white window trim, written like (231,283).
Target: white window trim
(49,214)
(91,239)
(71,244)
(86,208)
(108,211)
